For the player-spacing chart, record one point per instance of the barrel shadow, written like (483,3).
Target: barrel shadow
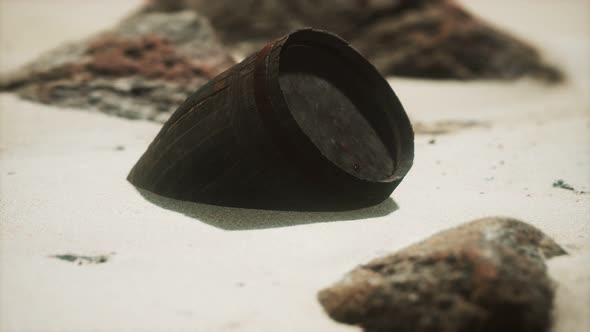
(233,219)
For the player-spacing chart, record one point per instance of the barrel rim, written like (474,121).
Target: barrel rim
(298,146)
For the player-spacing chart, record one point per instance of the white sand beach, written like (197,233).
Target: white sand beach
(179,266)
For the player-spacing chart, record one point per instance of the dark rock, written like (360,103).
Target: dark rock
(420,38)
(142,69)
(486,275)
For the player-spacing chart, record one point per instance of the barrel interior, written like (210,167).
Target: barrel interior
(340,108)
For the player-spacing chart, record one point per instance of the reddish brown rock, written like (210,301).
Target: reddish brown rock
(487,275)
(143,68)
(150,56)
(420,38)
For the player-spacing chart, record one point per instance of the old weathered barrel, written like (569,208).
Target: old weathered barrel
(306,123)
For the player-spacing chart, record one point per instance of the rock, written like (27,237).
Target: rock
(142,69)
(486,275)
(419,38)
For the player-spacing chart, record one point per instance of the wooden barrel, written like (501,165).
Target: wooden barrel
(306,123)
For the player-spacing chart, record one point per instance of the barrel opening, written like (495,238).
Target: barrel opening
(341,104)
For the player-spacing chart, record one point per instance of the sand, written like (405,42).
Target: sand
(184,266)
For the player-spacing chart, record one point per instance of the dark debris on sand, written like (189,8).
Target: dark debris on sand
(561,184)
(83,260)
